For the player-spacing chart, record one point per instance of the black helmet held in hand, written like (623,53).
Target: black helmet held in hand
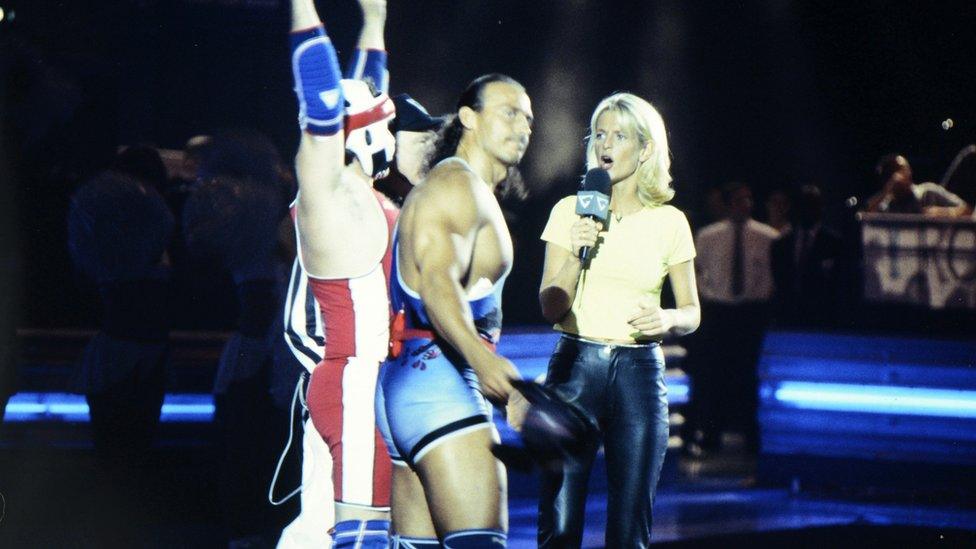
(553,430)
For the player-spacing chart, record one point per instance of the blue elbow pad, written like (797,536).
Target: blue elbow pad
(370,65)
(316,71)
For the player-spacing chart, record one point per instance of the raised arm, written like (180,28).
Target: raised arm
(342,231)
(368,60)
(315,68)
(445,226)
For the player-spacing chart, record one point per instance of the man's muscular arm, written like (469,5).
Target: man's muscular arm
(445,227)
(321,152)
(368,60)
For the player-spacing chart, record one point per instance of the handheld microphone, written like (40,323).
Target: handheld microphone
(593,201)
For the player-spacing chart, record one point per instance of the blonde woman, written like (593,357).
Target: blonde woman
(608,361)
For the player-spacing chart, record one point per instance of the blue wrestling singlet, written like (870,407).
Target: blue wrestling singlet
(427,393)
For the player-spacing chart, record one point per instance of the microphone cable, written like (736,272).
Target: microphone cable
(298,397)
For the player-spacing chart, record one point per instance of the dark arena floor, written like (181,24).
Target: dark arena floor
(58,498)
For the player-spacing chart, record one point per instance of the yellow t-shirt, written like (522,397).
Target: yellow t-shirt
(630,261)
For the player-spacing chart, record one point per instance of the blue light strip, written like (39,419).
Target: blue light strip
(877,399)
(187,409)
(67,407)
(678,392)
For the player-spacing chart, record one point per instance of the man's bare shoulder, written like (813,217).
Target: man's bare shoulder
(451,184)
(445,198)
(452,173)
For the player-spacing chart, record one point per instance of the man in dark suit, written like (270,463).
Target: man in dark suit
(806,266)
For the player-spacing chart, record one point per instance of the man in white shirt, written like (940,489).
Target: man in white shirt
(722,241)
(735,281)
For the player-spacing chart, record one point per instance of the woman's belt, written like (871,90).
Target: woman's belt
(582,339)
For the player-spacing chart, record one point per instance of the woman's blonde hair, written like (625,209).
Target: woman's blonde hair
(654,175)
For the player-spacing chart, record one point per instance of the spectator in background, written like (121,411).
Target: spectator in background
(715,205)
(735,281)
(806,261)
(118,230)
(713,209)
(186,175)
(778,210)
(206,291)
(900,194)
(204,296)
(232,218)
(243,153)
(143,163)
(194,151)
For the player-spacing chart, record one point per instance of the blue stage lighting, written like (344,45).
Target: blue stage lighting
(678,391)
(879,399)
(72,408)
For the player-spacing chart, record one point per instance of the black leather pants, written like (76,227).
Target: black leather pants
(623,388)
